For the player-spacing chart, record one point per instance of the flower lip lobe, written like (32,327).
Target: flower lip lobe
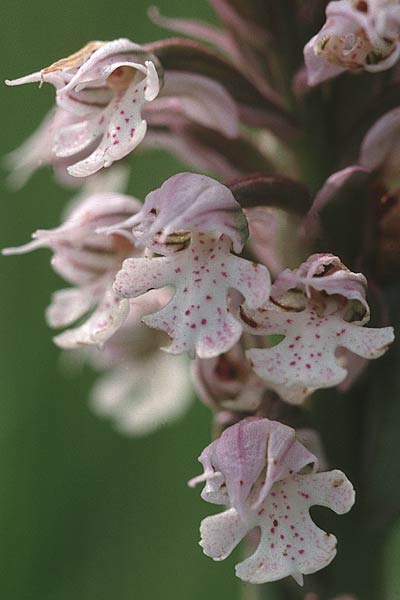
(237,467)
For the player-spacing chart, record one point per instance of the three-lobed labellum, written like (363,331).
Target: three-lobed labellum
(197,318)
(258,469)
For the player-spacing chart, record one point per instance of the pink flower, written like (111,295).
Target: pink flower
(88,260)
(104,87)
(193,221)
(358,34)
(318,308)
(256,468)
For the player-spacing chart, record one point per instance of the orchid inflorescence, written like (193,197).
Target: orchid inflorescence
(247,278)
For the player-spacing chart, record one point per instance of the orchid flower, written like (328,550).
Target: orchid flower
(103,87)
(317,308)
(257,469)
(193,221)
(358,35)
(88,261)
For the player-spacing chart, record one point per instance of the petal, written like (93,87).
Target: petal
(234,462)
(197,318)
(200,99)
(306,357)
(37,150)
(291,544)
(68,305)
(203,149)
(240,456)
(124,129)
(190,202)
(77,137)
(319,69)
(104,60)
(220,534)
(137,398)
(99,327)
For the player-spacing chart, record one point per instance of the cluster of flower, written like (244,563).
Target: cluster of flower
(195,260)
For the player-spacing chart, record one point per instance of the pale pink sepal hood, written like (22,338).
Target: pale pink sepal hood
(234,462)
(187,203)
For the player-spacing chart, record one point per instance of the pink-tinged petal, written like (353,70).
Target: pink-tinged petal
(295,546)
(107,53)
(240,455)
(68,305)
(243,452)
(81,255)
(188,202)
(203,149)
(136,397)
(119,351)
(123,125)
(109,315)
(220,534)
(319,69)
(77,137)
(38,149)
(197,318)
(380,148)
(200,99)
(306,359)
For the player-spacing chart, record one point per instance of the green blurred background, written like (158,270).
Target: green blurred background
(85,513)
